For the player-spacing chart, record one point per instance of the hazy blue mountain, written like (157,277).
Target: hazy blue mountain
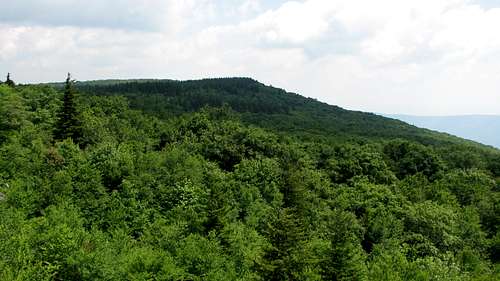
(481,128)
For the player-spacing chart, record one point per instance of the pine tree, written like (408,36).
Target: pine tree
(284,234)
(9,82)
(68,123)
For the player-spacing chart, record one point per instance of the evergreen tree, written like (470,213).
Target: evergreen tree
(9,82)
(68,124)
(282,260)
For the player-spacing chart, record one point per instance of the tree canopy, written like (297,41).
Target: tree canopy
(164,186)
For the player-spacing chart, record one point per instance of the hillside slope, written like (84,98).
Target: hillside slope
(285,113)
(136,181)
(263,106)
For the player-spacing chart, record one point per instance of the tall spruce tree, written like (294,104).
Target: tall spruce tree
(68,120)
(9,82)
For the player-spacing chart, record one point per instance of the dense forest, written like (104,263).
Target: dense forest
(229,179)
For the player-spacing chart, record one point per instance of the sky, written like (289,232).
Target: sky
(421,57)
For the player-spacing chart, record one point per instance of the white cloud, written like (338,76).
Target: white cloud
(294,22)
(249,7)
(144,15)
(417,57)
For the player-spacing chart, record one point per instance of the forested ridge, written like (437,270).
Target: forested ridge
(260,105)
(229,179)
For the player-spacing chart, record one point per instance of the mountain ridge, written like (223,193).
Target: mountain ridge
(283,111)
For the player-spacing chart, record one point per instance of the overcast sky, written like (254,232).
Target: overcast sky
(426,57)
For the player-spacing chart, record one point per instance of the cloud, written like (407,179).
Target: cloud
(144,15)
(250,7)
(415,57)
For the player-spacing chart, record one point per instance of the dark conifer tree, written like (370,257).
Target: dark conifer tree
(9,82)
(287,236)
(68,120)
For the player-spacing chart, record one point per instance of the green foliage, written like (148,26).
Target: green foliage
(345,258)
(68,122)
(148,183)
(409,159)
(348,162)
(266,107)
(12,112)
(9,82)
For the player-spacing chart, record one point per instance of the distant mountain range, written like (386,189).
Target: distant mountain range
(481,128)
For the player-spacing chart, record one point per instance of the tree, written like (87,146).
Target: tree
(283,260)
(344,258)
(68,124)
(409,158)
(12,112)
(9,82)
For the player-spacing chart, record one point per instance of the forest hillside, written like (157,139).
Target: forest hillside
(229,179)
